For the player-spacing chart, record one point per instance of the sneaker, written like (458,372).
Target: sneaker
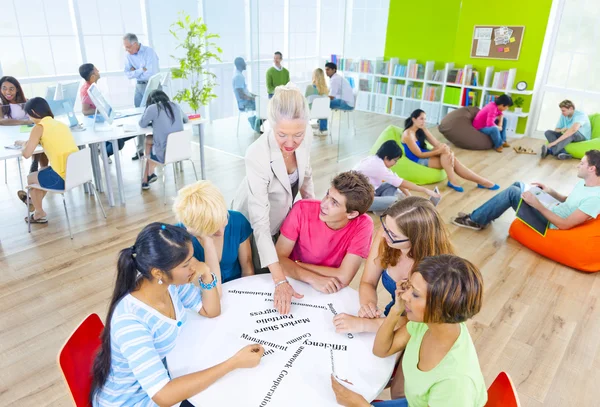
(145,186)
(544,152)
(466,222)
(455,187)
(494,187)
(564,156)
(136,157)
(505,144)
(152,178)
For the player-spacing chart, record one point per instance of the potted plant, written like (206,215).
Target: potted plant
(199,49)
(518,102)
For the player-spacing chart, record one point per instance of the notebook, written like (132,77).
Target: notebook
(531,216)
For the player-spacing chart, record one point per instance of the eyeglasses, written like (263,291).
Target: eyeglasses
(387,231)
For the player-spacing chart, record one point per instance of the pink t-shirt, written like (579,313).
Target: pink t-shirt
(85,98)
(375,170)
(317,244)
(486,116)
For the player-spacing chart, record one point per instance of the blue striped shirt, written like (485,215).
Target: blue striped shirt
(141,337)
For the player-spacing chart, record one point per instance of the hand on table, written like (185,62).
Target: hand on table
(20,143)
(345,323)
(347,397)
(326,285)
(249,356)
(282,297)
(369,310)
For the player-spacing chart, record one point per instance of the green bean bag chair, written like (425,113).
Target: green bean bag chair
(579,149)
(405,168)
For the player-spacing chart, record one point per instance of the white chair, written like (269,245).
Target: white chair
(240,115)
(79,172)
(349,118)
(179,148)
(263,105)
(320,110)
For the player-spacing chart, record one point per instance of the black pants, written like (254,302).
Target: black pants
(186,403)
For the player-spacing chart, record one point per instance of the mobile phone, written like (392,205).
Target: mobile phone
(435,201)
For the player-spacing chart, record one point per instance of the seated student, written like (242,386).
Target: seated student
(165,117)
(490,121)
(57,141)
(386,183)
(427,322)
(573,126)
(323,243)
(13,113)
(245,99)
(581,204)
(317,88)
(153,288)
(200,208)
(90,75)
(415,148)
(340,91)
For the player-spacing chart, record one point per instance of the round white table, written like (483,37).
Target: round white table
(296,367)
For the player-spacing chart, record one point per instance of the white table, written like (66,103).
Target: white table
(99,135)
(305,381)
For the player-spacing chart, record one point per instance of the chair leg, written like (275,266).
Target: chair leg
(27,210)
(164,176)
(194,166)
(175,175)
(5,173)
(144,163)
(67,213)
(93,188)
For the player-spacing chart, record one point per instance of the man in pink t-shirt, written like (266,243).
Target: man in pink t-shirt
(490,121)
(90,75)
(323,242)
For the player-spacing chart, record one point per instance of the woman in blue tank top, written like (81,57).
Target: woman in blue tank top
(413,140)
(411,229)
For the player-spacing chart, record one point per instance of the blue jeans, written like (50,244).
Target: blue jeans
(322,124)
(498,137)
(139,94)
(250,105)
(392,403)
(495,207)
(340,104)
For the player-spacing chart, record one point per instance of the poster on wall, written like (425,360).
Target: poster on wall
(497,41)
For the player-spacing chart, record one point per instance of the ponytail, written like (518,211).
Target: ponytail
(158,246)
(420,134)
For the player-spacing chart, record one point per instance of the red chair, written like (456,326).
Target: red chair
(76,358)
(502,392)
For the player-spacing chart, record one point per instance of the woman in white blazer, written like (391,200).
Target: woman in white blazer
(277,168)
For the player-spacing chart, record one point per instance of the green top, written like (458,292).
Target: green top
(276,78)
(456,381)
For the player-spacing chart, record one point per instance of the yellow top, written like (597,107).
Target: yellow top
(58,143)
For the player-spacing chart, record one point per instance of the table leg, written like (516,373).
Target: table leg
(201,143)
(96,168)
(20,175)
(109,191)
(119,172)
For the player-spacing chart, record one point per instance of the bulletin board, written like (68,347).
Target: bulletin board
(497,41)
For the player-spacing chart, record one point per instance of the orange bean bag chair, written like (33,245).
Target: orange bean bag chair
(578,248)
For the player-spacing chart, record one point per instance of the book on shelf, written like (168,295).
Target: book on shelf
(470,97)
(433,93)
(417,71)
(381,87)
(399,71)
(363,84)
(438,76)
(500,80)
(455,76)
(489,98)
(414,92)
(397,89)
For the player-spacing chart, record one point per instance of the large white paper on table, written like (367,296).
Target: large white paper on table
(296,368)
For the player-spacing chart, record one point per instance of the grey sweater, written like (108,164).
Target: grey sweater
(162,126)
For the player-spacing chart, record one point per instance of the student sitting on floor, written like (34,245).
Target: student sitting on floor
(415,148)
(165,117)
(13,113)
(386,183)
(57,141)
(581,204)
(323,243)
(201,210)
(440,362)
(490,121)
(153,288)
(573,126)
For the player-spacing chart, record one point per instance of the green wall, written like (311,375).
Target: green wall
(442,31)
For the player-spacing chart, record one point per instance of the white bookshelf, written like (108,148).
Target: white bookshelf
(424,88)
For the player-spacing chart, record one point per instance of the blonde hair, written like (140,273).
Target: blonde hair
(201,207)
(420,222)
(318,79)
(288,103)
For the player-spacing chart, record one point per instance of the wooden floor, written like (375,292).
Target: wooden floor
(540,320)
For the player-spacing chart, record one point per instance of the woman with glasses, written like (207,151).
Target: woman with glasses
(200,208)
(411,230)
(277,169)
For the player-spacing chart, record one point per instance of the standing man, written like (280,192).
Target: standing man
(276,75)
(340,91)
(141,64)
(573,126)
